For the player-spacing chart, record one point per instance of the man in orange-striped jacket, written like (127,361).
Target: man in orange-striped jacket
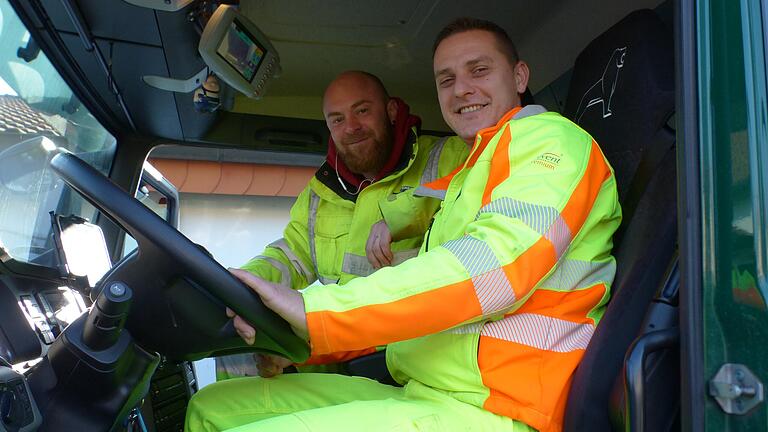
(486,326)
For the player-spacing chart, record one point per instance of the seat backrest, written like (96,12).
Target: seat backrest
(622,93)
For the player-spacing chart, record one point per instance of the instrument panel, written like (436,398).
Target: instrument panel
(18,411)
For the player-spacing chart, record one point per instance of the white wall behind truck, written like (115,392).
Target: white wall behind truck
(234,228)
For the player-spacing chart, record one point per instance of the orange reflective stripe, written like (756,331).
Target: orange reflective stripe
(521,376)
(489,132)
(337,357)
(569,305)
(525,382)
(486,135)
(499,165)
(528,377)
(530,267)
(533,264)
(443,182)
(584,195)
(362,327)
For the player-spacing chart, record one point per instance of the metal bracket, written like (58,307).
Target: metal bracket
(177,85)
(736,389)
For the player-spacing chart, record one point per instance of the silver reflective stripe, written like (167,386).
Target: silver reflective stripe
(405,255)
(575,274)
(542,219)
(429,192)
(432,169)
(541,332)
(297,263)
(285,278)
(359,265)
(471,328)
(314,202)
(492,288)
(528,111)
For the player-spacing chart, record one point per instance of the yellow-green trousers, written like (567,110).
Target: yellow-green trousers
(326,402)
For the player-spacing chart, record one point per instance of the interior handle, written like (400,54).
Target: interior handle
(634,372)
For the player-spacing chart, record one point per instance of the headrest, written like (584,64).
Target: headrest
(622,89)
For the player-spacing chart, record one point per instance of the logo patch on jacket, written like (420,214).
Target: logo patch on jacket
(548,160)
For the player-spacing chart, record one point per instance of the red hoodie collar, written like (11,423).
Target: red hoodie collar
(404,122)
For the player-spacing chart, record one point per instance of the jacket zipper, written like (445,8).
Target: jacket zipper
(429,231)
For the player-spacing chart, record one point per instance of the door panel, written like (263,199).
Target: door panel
(732,83)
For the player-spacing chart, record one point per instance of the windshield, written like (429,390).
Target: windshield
(37,111)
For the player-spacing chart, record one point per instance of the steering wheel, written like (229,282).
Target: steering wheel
(179,290)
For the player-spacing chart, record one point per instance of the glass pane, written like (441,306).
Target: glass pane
(35,102)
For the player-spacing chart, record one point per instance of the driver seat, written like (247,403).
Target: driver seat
(622,93)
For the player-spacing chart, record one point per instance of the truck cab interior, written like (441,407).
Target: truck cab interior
(94,338)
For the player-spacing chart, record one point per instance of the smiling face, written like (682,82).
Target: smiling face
(359,116)
(476,83)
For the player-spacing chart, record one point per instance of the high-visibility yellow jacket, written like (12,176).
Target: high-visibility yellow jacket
(328,230)
(510,283)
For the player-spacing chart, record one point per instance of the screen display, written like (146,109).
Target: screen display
(240,49)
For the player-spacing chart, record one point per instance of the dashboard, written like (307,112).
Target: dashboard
(32,315)
(50,312)
(18,411)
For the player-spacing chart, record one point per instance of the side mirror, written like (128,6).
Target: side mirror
(83,251)
(156,190)
(160,196)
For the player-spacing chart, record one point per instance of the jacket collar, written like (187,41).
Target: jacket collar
(403,125)
(327,175)
(484,136)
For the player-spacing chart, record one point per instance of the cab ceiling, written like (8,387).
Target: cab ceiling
(393,39)
(315,39)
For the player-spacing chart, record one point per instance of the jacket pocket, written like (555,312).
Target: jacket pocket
(331,236)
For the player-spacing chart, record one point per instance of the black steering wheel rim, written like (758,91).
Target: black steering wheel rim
(197,266)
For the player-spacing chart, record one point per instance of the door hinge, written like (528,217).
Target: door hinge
(736,389)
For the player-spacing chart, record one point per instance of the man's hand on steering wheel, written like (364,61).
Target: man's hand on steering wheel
(286,302)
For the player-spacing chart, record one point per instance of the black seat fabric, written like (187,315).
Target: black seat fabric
(642,260)
(622,92)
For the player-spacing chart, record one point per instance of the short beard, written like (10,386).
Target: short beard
(371,161)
